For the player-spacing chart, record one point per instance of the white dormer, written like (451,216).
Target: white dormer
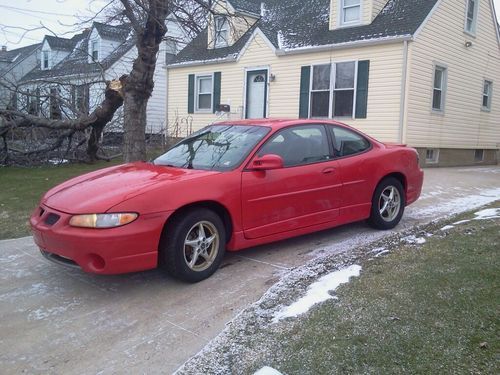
(226,25)
(351,13)
(94,47)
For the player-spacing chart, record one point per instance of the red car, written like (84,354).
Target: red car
(229,186)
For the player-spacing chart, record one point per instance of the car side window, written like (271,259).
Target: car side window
(348,142)
(299,145)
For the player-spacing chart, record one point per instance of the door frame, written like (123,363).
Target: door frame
(261,70)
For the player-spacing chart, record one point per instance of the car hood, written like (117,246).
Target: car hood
(98,191)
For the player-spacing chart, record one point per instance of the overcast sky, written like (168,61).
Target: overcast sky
(59,16)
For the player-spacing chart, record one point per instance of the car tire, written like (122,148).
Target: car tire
(388,204)
(193,245)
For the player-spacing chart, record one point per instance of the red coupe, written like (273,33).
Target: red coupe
(229,186)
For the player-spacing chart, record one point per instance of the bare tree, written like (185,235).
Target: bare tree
(147,19)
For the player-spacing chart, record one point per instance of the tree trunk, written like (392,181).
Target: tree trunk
(134,137)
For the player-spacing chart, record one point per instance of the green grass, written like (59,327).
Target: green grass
(22,188)
(423,310)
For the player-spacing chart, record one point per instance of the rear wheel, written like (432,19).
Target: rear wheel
(193,245)
(388,204)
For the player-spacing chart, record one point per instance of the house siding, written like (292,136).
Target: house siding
(384,89)
(463,124)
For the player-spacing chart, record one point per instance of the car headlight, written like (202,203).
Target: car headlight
(102,220)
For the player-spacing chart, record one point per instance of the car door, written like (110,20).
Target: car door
(305,192)
(357,171)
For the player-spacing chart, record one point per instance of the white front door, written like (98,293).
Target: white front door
(256,94)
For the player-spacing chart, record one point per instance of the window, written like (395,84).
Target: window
(80,98)
(299,145)
(343,95)
(320,92)
(13,105)
(333,97)
(95,50)
(350,12)
(487,90)
(204,93)
(431,156)
(478,155)
(221,31)
(439,89)
(471,16)
(348,142)
(45,60)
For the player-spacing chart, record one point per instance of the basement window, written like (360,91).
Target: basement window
(478,155)
(432,156)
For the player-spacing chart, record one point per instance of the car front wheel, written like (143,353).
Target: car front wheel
(193,245)
(388,204)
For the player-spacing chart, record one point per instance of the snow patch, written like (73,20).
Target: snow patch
(414,240)
(489,213)
(460,222)
(318,292)
(447,227)
(266,370)
(383,252)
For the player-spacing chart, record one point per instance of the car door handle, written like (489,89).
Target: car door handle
(328,170)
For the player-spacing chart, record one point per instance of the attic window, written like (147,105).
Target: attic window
(95,50)
(221,31)
(350,12)
(45,60)
(471,16)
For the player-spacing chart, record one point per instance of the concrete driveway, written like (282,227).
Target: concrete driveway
(55,320)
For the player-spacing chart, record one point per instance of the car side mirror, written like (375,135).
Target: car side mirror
(267,162)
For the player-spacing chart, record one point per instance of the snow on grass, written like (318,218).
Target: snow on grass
(489,213)
(414,240)
(461,222)
(319,292)
(266,370)
(447,227)
(458,205)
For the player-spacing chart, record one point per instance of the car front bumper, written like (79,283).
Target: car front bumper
(130,248)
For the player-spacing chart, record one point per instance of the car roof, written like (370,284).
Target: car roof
(278,123)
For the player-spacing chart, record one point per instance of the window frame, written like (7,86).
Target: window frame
(332,89)
(219,32)
(443,89)
(473,29)
(197,93)
(487,108)
(435,158)
(334,142)
(477,152)
(329,141)
(95,47)
(45,59)
(343,7)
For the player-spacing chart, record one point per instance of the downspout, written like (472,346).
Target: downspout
(403,93)
(166,102)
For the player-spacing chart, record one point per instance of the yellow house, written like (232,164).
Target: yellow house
(421,72)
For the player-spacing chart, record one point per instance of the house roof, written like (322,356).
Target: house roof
(14,56)
(112,32)
(250,6)
(77,61)
(62,44)
(295,24)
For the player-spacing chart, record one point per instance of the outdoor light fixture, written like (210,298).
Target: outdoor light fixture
(468,44)
(272,77)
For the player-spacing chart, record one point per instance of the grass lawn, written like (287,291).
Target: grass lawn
(22,188)
(430,308)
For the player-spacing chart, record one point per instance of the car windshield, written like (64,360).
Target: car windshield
(216,147)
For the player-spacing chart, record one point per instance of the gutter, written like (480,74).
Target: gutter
(402,104)
(302,50)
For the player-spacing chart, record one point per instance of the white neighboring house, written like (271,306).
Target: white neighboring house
(70,76)
(14,64)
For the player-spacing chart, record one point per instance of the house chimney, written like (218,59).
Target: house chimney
(4,48)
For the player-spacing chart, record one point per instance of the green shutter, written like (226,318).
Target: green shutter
(362,88)
(305,76)
(216,97)
(191,93)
